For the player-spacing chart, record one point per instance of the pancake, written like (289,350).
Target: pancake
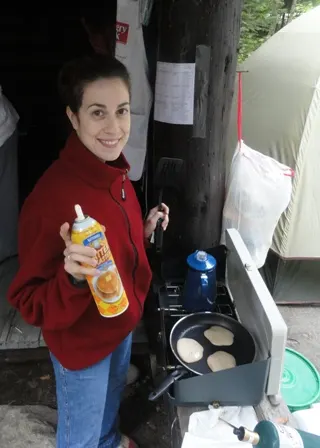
(189,350)
(219,336)
(221,361)
(108,285)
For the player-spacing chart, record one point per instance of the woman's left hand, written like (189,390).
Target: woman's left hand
(152,219)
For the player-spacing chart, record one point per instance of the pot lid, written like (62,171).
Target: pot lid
(201,261)
(300,386)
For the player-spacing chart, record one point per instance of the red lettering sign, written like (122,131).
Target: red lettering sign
(122,31)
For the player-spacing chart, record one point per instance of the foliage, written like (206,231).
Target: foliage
(262,18)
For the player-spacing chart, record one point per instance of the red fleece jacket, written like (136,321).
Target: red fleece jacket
(72,327)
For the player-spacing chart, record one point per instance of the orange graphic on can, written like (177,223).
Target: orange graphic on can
(107,288)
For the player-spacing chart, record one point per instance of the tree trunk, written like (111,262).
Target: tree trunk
(292,10)
(205,32)
(274,14)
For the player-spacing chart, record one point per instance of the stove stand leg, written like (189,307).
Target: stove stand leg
(174,440)
(275,400)
(173,420)
(153,367)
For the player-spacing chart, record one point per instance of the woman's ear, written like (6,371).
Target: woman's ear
(73,118)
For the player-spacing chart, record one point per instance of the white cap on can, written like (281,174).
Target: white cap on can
(79,212)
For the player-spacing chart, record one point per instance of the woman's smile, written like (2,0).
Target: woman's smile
(109,143)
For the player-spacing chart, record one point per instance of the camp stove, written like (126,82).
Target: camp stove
(242,295)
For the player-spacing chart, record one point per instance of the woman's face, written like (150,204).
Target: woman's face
(103,121)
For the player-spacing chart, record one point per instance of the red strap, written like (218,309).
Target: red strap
(291,173)
(239,108)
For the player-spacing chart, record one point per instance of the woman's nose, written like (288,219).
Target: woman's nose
(111,124)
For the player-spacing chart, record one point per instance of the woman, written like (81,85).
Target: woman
(90,354)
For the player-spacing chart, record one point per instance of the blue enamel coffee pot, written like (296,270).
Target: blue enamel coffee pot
(200,288)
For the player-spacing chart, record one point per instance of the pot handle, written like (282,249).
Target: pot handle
(168,381)
(204,287)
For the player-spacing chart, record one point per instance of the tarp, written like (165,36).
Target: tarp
(281,118)
(9,201)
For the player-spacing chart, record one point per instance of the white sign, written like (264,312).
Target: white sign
(174,93)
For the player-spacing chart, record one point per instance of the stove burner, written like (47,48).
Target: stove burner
(170,300)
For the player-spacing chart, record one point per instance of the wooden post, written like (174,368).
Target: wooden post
(205,32)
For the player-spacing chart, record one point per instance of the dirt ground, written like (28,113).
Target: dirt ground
(33,383)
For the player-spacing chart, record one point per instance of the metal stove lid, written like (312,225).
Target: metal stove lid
(254,304)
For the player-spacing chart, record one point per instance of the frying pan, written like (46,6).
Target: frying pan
(193,326)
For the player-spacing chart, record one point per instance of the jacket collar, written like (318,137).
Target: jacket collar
(87,166)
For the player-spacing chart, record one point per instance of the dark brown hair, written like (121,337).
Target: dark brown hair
(78,73)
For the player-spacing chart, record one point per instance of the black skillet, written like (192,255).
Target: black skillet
(193,326)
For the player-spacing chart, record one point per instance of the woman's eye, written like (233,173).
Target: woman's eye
(123,111)
(97,113)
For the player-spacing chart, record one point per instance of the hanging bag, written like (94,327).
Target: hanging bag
(258,192)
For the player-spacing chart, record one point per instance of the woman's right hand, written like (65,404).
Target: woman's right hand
(75,255)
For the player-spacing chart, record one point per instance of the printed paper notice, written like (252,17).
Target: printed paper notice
(174,93)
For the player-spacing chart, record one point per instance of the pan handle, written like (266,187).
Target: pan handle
(169,380)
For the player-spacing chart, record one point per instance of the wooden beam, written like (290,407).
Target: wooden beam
(206,33)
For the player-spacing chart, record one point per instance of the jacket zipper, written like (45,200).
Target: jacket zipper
(123,191)
(136,256)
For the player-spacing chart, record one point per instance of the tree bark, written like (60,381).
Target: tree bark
(206,32)
(274,13)
(292,10)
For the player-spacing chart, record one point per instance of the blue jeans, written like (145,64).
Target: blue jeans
(89,400)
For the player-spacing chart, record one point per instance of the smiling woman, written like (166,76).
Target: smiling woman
(99,110)
(90,354)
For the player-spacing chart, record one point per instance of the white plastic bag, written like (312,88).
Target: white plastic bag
(258,192)
(207,430)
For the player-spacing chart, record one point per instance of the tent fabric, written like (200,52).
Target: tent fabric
(9,201)
(297,282)
(9,197)
(8,118)
(8,269)
(281,118)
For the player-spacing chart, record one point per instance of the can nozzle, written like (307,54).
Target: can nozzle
(79,212)
(243,434)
